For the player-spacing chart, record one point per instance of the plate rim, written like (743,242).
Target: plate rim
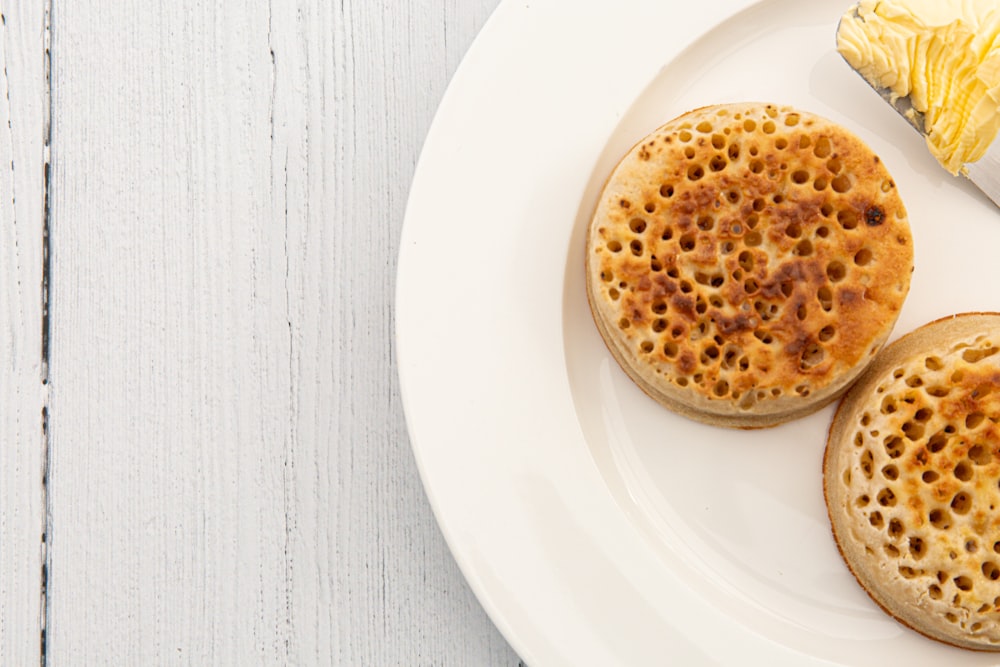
(507,20)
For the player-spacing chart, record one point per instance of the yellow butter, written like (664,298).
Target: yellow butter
(944,55)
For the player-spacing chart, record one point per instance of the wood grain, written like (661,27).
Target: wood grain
(230,477)
(23,125)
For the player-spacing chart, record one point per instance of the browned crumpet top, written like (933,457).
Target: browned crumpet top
(911,477)
(745,261)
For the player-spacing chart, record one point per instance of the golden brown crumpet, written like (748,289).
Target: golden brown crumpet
(746,261)
(911,477)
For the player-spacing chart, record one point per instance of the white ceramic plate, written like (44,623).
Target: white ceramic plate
(596,527)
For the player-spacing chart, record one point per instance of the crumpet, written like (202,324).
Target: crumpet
(911,475)
(745,263)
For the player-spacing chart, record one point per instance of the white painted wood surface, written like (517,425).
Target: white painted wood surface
(23,128)
(225,475)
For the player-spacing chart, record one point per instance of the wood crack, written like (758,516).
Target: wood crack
(287,462)
(46,539)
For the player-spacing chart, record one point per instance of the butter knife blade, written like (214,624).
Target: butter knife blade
(984,172)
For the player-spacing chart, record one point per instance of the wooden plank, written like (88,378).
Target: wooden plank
(397,595)
(23,115)
(169,346)
(231,478)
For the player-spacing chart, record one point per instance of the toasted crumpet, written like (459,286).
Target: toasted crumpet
(746,261)
(911,475)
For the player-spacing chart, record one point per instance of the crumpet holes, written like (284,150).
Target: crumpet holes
(836,271)
(894,446)
(847,219)
(886,498)
(980,455)
(974,356)
(913,431)
(940,519)
(825,298)
(867,464)
(961,503)
(823,147)
(813,356)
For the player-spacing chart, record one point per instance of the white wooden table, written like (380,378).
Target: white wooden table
(203,457)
